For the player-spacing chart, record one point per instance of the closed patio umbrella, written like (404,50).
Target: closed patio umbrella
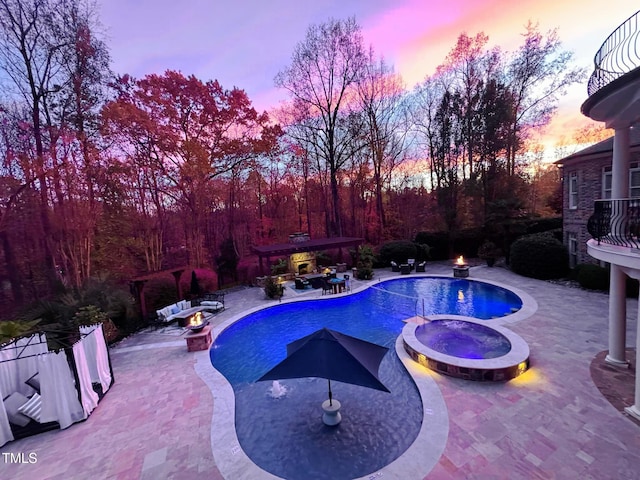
(334,356)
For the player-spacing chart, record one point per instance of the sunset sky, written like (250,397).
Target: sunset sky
(245,43)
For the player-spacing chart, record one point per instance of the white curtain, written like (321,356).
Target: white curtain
(8,371)
(16,371)
(87,394)
(59,395)
(95,349)
(5,429)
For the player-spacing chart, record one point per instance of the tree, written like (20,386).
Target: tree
(538,73)
(381,94)
(53,59)
(188,133)
(324,70)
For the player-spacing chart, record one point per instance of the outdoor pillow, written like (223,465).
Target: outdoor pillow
(175,309)
(32,408)
(211,303)
(12,405)
(34,382)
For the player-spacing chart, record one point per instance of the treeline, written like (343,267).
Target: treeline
(109,174)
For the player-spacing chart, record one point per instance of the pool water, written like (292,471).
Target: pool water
(463,339)
(285,435)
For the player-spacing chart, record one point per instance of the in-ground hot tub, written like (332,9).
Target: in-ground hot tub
(465,348)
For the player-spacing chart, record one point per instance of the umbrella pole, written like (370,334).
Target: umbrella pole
(330,395)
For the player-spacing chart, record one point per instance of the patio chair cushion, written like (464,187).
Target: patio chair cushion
(212,304)
(32,407)
(34,382)
(12,405)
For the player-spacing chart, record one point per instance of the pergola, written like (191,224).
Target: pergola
(138,283)
(279,249)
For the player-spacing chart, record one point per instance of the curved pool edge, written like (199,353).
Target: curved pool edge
(529,304)
(232,461)
(503,368)
(415,462)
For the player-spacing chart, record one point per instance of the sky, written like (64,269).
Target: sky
(245,43)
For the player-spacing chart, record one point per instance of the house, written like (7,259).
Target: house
(587,177)
(614,98)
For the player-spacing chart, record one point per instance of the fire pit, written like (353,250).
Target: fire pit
(196,322)
(460,268)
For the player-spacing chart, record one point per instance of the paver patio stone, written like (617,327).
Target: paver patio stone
(561,420)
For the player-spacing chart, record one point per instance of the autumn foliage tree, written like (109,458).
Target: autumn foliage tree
(187,133)
(324,71)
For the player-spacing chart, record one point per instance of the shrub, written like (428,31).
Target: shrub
(489,250)
(272,289)
(160,292)
(593,277)
(398,251)
(365,262)
(539,256)
(323,258)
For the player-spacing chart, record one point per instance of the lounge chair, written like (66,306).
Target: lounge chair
(213,302)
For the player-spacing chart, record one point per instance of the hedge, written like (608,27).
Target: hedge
(539,256)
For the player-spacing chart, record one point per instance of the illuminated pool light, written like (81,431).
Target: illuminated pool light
(465,348)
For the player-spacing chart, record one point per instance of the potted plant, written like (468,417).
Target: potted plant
(489,252)
(273,289)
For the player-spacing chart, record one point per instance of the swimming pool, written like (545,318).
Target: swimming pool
(285,435)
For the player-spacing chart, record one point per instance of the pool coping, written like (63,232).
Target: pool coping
(414,462)
(518,354)
(233,462)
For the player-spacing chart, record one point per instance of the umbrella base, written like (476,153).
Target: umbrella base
(331,415)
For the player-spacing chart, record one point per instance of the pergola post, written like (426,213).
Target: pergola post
(176,275)
(138,285)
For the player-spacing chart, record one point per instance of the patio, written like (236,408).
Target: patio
(552,422)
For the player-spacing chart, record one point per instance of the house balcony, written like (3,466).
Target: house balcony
(614,86)
(615,228)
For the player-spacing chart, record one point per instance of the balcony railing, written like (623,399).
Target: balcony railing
(616,222)
(618,55)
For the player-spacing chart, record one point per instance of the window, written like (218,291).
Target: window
(572,240)
(607,178)
(634,182)
(573,190)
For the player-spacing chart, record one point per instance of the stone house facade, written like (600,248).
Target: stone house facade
(586,177)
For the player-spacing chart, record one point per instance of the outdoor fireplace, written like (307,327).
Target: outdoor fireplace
(460,268)
(196,322)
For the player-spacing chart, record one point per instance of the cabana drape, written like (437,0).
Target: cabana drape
(14,373)
(88,396)
(63,397)
(6,435)
(59,395)
(96,354)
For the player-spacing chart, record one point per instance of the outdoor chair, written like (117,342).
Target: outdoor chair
(301,283)
(394,266)
(212,302)
(405,269)
(326,286)
(420,267)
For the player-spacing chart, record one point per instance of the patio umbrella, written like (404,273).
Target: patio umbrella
(334,356)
